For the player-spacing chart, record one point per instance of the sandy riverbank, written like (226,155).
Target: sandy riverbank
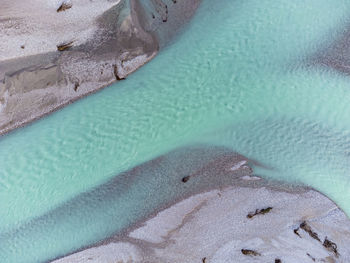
(214,227)
(49,59)
(231,216)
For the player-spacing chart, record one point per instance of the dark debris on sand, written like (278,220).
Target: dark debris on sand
(63,7)
(249,252)
(65,46)
(259,212)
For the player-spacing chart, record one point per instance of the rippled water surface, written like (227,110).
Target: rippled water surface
(244,75)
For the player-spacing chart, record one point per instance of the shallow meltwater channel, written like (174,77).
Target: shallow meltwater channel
(247,75)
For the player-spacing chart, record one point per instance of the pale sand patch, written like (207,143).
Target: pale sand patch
(169,219)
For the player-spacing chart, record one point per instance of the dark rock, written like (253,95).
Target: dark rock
(65,46)
(296,232)
(331,246)
(185,179)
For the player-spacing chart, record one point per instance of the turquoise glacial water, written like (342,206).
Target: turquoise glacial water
(240,76)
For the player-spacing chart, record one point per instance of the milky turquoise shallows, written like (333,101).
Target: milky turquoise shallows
(236,77)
